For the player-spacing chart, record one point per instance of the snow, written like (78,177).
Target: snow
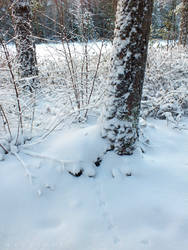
(112,210)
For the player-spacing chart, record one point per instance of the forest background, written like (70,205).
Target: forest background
(94,18)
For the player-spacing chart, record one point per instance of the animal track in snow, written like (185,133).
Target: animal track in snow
(105,212)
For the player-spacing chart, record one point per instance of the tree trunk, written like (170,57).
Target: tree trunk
(26,53)
(122,109)
(184,24)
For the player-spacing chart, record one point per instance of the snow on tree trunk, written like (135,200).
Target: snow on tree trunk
(183,38)
(26,53)
(120,123)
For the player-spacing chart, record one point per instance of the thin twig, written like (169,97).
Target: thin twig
(34,154)
(27,172)
(33,114)
(3,121)
(15,88)
(6,120)
(6,151)
(95,76)
(43,137)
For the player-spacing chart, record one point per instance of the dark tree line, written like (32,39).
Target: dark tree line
(50,15)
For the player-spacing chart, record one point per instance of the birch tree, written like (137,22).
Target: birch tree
(26,53)
(122,108)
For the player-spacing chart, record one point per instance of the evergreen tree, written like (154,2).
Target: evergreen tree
(122,109)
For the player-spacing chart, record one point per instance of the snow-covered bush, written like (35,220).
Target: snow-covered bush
(165,94)
(71,80)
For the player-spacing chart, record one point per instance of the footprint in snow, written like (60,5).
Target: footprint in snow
(105,212)
(49,223)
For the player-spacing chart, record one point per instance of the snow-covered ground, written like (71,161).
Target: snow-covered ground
(54,210)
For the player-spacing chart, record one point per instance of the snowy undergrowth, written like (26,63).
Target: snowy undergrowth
(165,94)
(73,81)
(71,78)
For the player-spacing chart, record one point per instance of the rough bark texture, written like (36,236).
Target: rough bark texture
(26,53)
(122,109)
(183,38)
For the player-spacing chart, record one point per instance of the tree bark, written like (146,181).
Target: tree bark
(183,38)
(26,52)
(120,123)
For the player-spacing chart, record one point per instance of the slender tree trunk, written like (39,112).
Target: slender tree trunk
(26,53)
(183,38)
(122,109)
